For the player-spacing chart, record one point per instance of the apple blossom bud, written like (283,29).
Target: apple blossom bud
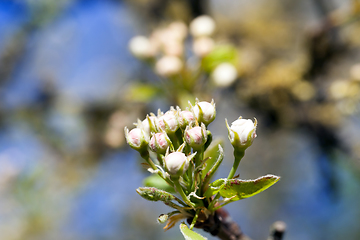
(168,66)
(242,133)
(202,26)
(137,138)
(148,124)
(203,46)
(162,218)
(141,47)
(186,118)
(224,75)
(196,137)
(159,142)
(205,112)
(169,122)
(176,163)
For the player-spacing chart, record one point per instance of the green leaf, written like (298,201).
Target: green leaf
(189,234)
(215,187)
(239,189)
(155,180)
(140,92)
(212,152)
(220,54)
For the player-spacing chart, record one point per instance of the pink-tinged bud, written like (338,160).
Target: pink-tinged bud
(159,142)
(169,122)
(205,112)
(176,163)
(242,133)
(196,137)
(137,138)
(203,46)
(186,118)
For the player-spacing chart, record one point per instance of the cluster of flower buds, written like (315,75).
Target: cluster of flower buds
(165,48)
(175,136)
(176,146)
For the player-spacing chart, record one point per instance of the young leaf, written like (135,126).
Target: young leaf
(239,189)
(215,187)
(212,153)
(189,234)
(154,194)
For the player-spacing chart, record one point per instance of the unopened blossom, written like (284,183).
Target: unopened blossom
(202,26)
(169,122)
(148,124)
(196,137)
(159,142)
(141,47)
(203,46)
(176,163)
(168,66)
(186,118)
(242,133)
(137,138)
(205,112)
(224,75)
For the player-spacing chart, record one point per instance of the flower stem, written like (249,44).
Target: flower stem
(194,219)
(238,156)
(181,192)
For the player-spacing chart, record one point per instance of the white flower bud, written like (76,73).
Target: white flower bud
(205,112)
(203,46)
(148,124)
(176,163)
(186,118)
(242,133)
(202,26)
(169,122)
(224,75)
(196,137)
(141,47)
(136,138)
(159,142)
(168,66)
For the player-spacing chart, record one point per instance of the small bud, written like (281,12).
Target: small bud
(168,66)
(176,163)
(148,124)
(159,142)
(163,218)
(196,137)
(202,26)
(141,47)
(203,46)
(136,138)
(242,133)
(186,118)
(169,122)
(224,75)
(205,112)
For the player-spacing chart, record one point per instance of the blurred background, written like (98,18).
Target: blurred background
(69,85)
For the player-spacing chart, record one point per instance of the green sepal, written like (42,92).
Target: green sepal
(154,194)
(189,234)
(237,189)
(156,181)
